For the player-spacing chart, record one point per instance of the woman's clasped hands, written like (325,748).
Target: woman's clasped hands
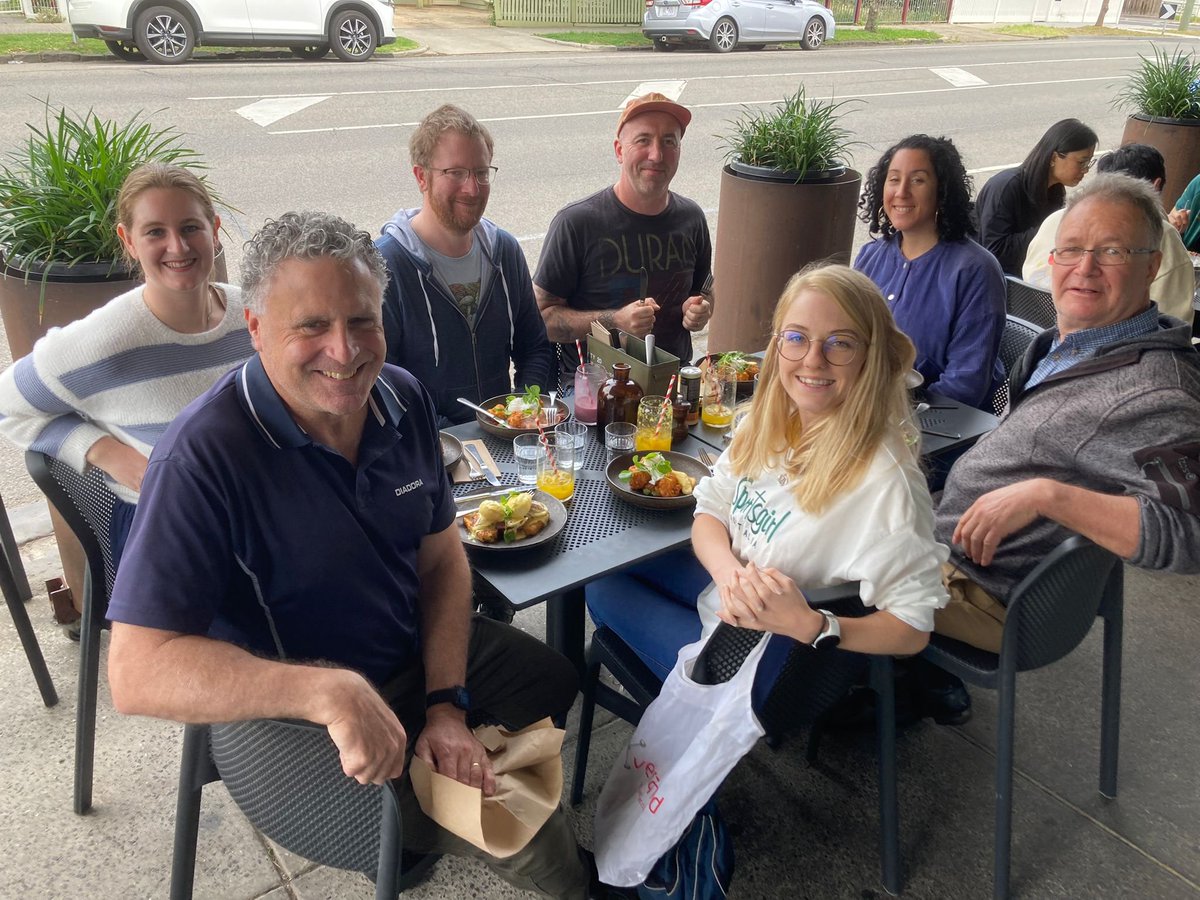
(767,600)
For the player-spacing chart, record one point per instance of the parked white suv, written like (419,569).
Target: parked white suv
(167,31)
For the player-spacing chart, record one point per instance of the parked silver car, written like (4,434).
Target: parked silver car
(723,24)
(167,31)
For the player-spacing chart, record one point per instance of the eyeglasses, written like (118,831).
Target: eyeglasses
(1085,164)
(1104,256)
(484,176)
(838,349)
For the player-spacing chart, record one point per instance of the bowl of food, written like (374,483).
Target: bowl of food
(452,450)
(745,367)
(513,521)
(521,413)
(658,480)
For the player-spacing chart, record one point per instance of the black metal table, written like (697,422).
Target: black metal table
(959,425)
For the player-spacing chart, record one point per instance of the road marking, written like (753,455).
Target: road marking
(671,89)
(271,110)
(957,77)
(986,169)
(773,100)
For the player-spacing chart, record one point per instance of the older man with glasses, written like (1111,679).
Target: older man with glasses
(1102,435)
(459,304)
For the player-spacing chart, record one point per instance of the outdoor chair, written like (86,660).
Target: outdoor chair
(286,777)
(1018,335)
(1049,613)
(799,698)
(1029,302)
(15,587)
(86,503)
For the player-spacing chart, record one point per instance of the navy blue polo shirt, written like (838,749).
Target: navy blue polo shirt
(250,532)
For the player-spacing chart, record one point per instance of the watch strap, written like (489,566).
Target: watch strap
(456,696)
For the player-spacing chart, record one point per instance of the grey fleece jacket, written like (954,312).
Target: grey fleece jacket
(1125,422)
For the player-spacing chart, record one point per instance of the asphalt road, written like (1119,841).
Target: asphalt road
(334,136)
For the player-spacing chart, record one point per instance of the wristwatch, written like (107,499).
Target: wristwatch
(829,636)
(456,696)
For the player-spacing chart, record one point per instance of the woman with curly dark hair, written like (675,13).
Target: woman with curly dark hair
(1015,202)
(945,291)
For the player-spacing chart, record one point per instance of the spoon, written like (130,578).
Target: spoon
(479,409)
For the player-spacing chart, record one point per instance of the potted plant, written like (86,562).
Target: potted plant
(60,257)
(1162,95)
(788,198)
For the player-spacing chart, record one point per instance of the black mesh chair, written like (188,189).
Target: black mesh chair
(1018,335)
(1025,301)
(1049,614)
(810,683)
(15,587)
(286,777)
(86,503)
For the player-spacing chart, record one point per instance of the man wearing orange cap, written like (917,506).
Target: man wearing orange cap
(596,248)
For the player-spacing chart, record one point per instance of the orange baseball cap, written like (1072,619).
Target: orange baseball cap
(655,102)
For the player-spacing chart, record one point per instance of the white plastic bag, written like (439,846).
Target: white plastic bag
(688,740)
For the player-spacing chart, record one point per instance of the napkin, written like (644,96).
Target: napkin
(461,473)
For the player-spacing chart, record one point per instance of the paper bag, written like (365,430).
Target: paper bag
(529,780)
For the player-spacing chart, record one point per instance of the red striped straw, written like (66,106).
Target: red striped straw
(662,413)
(579,351)
(545,443)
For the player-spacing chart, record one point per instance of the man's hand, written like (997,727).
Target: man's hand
(1179,219)
(452,750)
(768,600)
(996,515)
(126,465)
(369,737)
(636,318)
(696,312)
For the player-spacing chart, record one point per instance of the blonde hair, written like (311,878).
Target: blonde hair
(832,455)
(153,175)
(447,117)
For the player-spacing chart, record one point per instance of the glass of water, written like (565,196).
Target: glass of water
(618,438)
(525,449)
(577,431)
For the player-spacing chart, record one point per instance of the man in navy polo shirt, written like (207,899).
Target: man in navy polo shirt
(295,554)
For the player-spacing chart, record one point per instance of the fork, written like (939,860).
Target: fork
(473,471)
(706,458)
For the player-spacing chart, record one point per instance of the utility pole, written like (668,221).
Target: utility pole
(1185,15)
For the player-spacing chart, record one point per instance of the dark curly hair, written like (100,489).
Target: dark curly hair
(954,205)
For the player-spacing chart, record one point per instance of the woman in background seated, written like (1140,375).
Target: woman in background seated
(102,390)
(1014,202)
(945,291)
(819,486)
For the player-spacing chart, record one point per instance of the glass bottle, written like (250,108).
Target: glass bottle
(618,398)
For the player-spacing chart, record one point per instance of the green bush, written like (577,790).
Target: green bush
(1165,86)
(795,135)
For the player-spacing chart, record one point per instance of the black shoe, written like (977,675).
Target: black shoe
(939,695)
(597,890)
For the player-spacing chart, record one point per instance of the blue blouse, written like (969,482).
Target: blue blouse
(950,302)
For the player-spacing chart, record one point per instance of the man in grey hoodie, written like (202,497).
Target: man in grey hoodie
(1102,434)
(459,305)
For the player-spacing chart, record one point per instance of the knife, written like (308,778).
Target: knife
(479,409)
(644,286)
(484,495)
(487,473)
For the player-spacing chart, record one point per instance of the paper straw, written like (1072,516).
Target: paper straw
(579,351)
(545,443)
(662,413)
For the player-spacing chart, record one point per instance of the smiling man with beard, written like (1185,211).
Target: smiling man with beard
(459,305)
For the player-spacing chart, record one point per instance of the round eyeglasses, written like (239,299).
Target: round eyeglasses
(1104,256)
(838,349)
(484,176)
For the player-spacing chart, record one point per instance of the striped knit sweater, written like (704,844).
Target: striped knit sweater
(118,372)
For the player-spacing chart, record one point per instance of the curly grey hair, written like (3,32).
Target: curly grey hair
(304,235)
(1117,187)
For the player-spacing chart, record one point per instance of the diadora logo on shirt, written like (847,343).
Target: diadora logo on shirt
(409,488)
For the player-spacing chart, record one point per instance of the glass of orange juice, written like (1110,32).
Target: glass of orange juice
(718,395)
(556,465)
(653,424)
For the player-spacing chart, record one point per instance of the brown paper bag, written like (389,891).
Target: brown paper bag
(529,781)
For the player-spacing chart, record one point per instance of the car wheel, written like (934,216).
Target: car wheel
(164,36)
(125,50)
(724,35)
(664,45)
(814,34)
(310,51)
(353,35)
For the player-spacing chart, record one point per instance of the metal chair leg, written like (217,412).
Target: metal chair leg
(883,683)
(387,877)
(85,715)
(29,641)
(587,710)
(192,778)
(13,555)
(1110,702)
(1005,738)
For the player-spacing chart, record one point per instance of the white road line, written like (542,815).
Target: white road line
(271,110)
(986,169)
(672,89)
(957,77)
(609,112)
(742,77)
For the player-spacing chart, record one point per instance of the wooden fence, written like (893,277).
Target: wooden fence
(569,12)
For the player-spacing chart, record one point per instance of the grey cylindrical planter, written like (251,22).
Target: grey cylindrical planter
(1178,140)
(767,230)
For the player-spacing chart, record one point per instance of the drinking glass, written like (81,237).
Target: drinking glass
(577,431)
(588,379)
(718,395)
(619,438)
(653,424)
(525,449)
(556,465)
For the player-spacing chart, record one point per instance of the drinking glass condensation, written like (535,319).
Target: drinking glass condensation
(556,465)
(653,424)
(718,395)
(588,379)
(577,431)
(525,449)
(618,438)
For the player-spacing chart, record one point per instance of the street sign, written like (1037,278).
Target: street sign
(1168,10)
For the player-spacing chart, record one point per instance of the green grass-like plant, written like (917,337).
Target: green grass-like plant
(1164,86)
(58,192)
(796,135)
